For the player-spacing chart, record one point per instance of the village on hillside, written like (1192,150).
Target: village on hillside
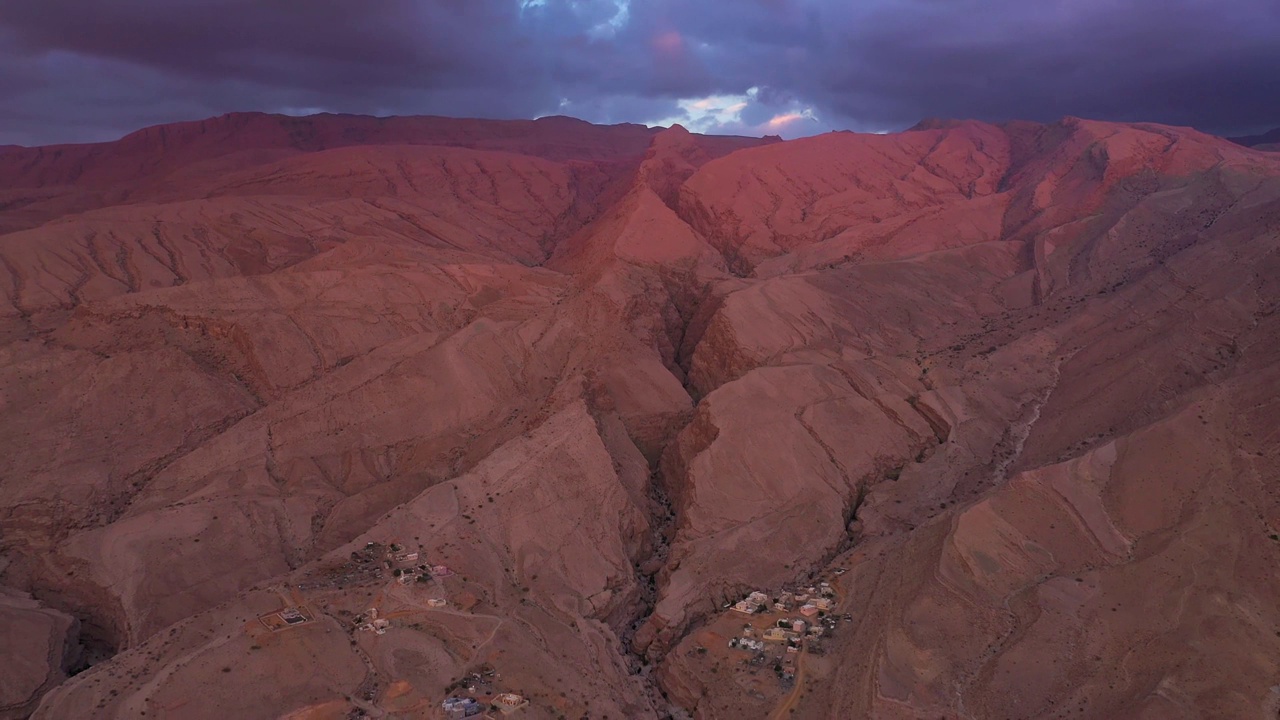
(783,627)
(771,645)
(410,586)
(764,637)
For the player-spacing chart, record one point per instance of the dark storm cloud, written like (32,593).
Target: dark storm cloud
(76,70)
(1210,64)
(318,44)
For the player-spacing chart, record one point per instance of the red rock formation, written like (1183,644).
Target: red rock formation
(1018,380)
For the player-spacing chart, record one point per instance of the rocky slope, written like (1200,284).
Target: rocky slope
(1018,381)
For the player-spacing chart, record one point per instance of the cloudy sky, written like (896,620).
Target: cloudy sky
(87,70)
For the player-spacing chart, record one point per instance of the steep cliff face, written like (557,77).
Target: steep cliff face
(605,380)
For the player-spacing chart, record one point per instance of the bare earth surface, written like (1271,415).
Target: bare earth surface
(522,407)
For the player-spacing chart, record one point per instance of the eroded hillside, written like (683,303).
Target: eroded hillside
(545,397)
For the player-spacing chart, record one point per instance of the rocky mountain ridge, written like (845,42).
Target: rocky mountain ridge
(1012,378)
(1269,140)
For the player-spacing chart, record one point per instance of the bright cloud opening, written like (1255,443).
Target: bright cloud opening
(780,123)
(740,115)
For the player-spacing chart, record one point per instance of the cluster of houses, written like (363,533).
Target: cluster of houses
(753,603)
(465,707)
(816,606)
(406,568)
(808,614)
(788,631)
(812,601)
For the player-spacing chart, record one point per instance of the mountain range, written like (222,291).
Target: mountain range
(342,416)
